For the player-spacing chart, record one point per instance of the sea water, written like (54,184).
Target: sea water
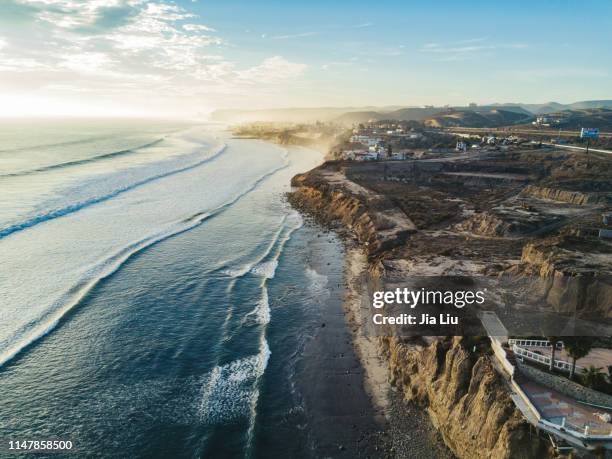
(156,289)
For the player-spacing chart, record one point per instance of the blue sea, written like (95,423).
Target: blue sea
(156,290)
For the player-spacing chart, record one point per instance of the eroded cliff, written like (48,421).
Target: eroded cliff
(468,402)
(466,399)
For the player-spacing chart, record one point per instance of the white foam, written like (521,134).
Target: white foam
(318,283)
(262,310)
(230,391)
(266,269)
(35,330)
(246,268)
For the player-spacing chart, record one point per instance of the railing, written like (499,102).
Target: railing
(534,343)
(544,359)
(585,433)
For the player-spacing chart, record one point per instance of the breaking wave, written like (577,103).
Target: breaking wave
(74,207)
(230,391)
(36,329)
(80,162)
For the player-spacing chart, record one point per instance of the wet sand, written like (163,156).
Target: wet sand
(351,408)
(342,419)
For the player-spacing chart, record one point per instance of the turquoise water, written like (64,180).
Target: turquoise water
(156,290)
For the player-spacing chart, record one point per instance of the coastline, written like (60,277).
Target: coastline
(384,423)
(443,388)
(343,381)
(375,381)
(343,420)
(410,431)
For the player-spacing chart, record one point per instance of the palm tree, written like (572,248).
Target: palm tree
(577,347)
(553,340)
(592,377)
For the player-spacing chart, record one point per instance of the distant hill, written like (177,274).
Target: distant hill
(402,114)
(483,114)
(359,117)
(477,119)
(289,115)
(552,107)
(591,104)
(575,119)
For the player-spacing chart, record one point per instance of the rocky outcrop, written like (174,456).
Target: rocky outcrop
(486,224)
(555,194)
(370,218)
(465,397)
(570,275)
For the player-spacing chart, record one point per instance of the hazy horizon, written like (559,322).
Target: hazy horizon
(186,58)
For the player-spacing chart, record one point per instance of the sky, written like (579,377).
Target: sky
(185,58)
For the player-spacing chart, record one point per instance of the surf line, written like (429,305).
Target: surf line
(63,211)
(25,338)
(79,162)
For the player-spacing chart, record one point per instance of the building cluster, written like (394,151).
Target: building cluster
(380,141)
(476,142)
(548,120)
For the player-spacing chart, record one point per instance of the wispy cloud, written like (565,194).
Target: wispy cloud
(295,35)
(466,49)
(472,40)
(270,70)
(362,25)
(198,28)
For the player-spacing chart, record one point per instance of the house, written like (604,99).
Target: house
(361,155)
(398,156)
(461,146)
(542,121)
(360,139)
(368,156)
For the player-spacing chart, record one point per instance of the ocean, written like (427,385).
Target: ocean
(156,290)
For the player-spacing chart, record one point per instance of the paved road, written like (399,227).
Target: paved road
(514,130)
(573,147)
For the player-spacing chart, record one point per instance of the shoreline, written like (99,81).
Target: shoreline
(402,429)
(375,381)
(402,419)
(343,420)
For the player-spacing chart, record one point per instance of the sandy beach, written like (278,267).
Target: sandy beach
(408,428)
(343,420)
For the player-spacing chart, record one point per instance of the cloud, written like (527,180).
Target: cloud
(197,28)
(466,49)
(270,70)
(361,26)
(473,40)
(295,35)
(125,50)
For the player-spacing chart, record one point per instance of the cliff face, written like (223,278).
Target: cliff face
(372,219)
(465,397)
(486,224)
(569,279)
(572,197)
